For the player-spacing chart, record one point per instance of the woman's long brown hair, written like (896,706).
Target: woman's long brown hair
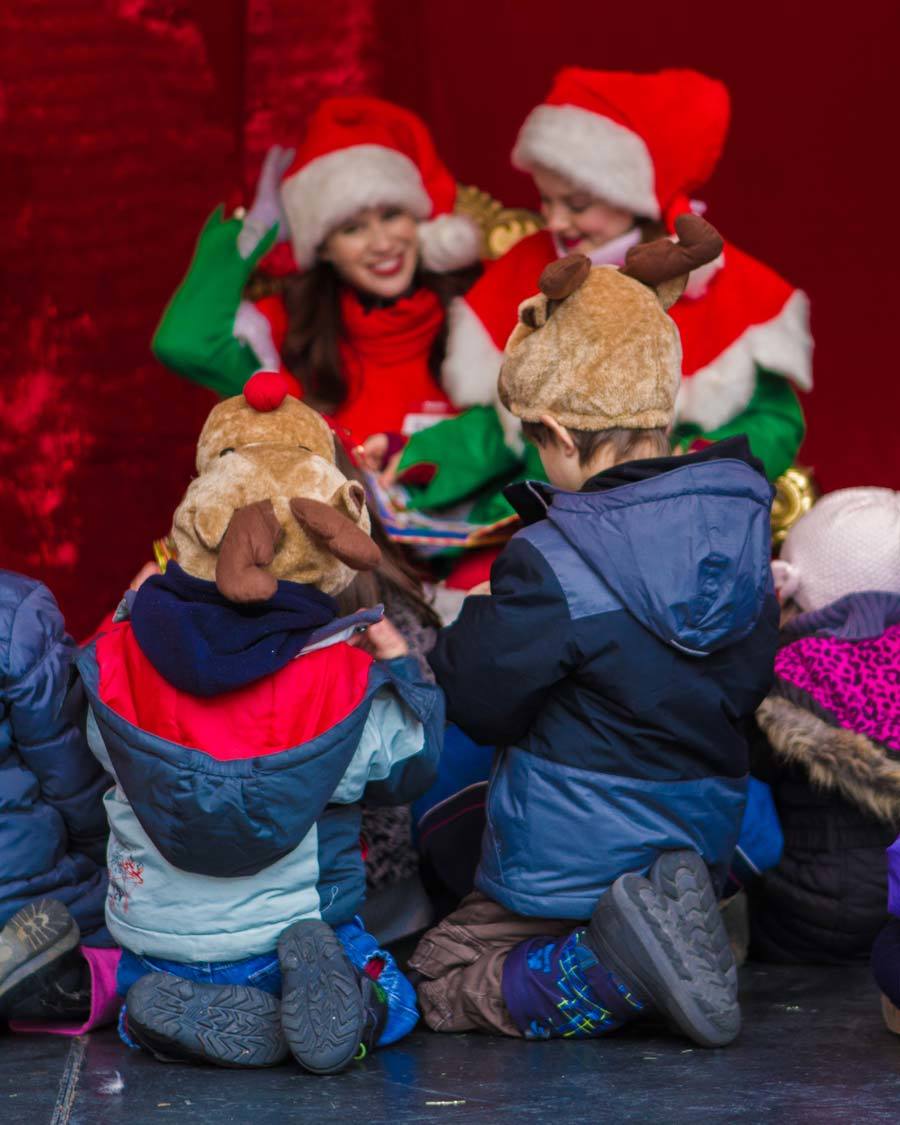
(312,344)
(395,571)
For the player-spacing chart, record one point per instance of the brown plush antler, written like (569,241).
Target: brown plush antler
(338,534)
(663,260)
(560,279)
(247,546)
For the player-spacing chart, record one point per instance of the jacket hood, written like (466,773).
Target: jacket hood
(686,551)
(236,815)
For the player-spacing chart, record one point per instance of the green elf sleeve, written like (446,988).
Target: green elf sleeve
(772,420)
(195,336)
(455,459)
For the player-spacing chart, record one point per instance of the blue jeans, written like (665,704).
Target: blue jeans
(262,972)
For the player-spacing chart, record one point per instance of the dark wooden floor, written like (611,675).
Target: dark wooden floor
(813,1050)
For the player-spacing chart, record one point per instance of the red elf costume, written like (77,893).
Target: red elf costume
(641,142)
(358,152)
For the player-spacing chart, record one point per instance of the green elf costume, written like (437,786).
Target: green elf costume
(641,142)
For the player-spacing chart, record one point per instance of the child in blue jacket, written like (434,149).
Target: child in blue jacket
(57,960)
(628,638)
(244,731)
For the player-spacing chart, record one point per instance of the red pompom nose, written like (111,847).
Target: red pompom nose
(267,390)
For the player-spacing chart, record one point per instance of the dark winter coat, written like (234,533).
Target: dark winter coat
(831,754)
(236,814)
(628,640)
(52,822)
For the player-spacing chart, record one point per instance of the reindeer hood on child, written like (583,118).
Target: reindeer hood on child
(241,728)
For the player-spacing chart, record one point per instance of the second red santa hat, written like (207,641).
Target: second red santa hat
(638,141)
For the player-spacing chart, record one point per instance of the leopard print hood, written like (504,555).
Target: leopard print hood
(834,708)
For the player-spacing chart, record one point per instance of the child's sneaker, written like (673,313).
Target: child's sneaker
(683,877)
(180,1020)
(366,956)
(331,1013)
(31,944)
(668,946)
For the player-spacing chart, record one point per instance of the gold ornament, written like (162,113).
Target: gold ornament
(795,494)
(501,227)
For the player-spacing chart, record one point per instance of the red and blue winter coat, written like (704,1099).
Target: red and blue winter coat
(236,809)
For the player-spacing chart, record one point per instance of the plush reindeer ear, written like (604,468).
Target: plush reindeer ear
(210,524)
(664,265)
(560,279)
(336,526)
(248,546)
(533,313)
(557,281)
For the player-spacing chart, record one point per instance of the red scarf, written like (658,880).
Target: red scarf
(384,353)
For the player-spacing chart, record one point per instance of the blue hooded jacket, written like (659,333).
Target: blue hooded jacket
(628,640)
(52,823)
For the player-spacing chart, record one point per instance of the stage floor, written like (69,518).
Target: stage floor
(813,1049)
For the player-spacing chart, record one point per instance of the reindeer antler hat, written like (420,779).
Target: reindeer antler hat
(595,348)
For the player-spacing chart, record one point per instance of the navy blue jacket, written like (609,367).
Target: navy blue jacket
(628,640)
(52,822)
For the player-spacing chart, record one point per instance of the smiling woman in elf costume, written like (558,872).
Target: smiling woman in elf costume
(367,205)
(615,157)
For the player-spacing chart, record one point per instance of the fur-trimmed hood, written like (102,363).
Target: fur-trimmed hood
(835,707)
(835,759)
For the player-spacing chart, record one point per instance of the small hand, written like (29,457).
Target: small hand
(265,211)
(383,640)
(389,476)
(146,571)
(371,453)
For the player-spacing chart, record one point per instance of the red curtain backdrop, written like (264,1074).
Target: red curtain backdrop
(123,123)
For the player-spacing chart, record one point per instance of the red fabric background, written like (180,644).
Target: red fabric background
(122,124)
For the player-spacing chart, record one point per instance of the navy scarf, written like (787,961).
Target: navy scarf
(204,644)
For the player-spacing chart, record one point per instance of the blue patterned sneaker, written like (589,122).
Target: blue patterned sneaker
(369,958)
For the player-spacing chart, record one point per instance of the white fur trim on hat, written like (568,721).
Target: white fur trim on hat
(847,543)
(713,395)
(333,188)
(594,152)
(472,363)
(449,242)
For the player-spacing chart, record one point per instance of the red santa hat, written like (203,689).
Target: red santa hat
(640,141)
(364,152)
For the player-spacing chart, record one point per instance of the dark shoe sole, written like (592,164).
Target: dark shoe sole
(31,942)
(322,1008)
(225,1024)
(638,934)
(683,878)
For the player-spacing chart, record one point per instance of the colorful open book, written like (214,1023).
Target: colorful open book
(430,534)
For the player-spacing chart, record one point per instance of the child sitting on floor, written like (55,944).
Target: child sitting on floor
(627,641)
(57,960)
(831,731)
(243,732)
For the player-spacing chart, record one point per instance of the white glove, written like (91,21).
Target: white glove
(265,211)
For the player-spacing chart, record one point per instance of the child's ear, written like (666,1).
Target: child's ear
(786,577)
(560,434)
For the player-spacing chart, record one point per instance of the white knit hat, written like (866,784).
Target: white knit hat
(848,543)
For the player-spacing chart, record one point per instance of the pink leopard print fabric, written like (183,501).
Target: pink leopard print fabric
(855,682)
